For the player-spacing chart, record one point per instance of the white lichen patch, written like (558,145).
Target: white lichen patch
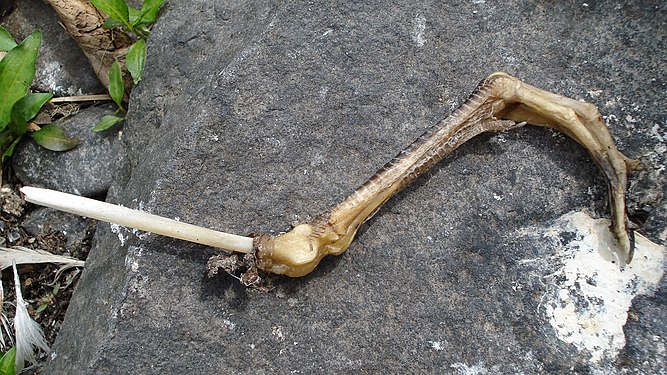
(123,233)
(118,230)
(590,296)
(436,345)
(140,234)
(229,324)
(132,258)
(277,331)
(418,29)
(464,369)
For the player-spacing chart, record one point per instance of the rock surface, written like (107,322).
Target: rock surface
(86,170)
(254,115)
(61,66)
(43,220)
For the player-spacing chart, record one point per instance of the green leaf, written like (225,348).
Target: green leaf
(116,9)
(7,362)
(136,59)
(134,15)
(106,122)
(116,88)
(6,137)
(6,40)
(10,150)
(17,70)
(53,137)
(111,23)
(25,109)
(149,11)
(18,126)
(41,308)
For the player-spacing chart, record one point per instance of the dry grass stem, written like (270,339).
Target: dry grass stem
(81,98)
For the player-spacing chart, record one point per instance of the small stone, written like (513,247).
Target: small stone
(14,235)
(87,169)
(43,221)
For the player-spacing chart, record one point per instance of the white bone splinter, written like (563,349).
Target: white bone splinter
(141,220)
(499,103)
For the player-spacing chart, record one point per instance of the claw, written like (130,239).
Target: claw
(499,103)
(634,165)
(582,122)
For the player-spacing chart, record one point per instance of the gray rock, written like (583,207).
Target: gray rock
(253,115)
(61,66)
(87,169)
(43,220)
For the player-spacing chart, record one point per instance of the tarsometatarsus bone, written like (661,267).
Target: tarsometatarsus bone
(500,102)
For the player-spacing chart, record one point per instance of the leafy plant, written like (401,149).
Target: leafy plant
(133,21)
(136,59)
(17,105)
(7,362)
(48,300)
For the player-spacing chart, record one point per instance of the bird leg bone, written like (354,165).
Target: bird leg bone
(500,102)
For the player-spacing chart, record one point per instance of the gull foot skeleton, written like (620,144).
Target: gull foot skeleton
(500,102)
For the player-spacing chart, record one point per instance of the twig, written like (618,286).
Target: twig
(136,219)
(101,46)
